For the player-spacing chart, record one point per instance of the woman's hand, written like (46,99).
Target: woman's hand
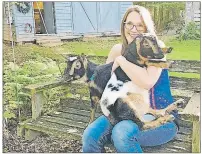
(117,62)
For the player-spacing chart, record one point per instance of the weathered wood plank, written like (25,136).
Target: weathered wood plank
(82,104)
(187,66)
(76,107)
(185,130)
(74,103)
(192,110)
(55,129)
(80,123)
(182,85)
(71,117)
(170,147)
(67,122)
(37,99)
(65,131)
(185,83)
(184,138)
(76,111)
(42,86)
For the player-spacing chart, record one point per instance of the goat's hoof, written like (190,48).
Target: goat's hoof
(147,126)
(171,118)
(105,112)
(179,103)
(166,119)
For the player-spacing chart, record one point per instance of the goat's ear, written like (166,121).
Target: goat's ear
(167,49)
(83,56)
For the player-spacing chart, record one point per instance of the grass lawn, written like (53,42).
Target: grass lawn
(185,75)
(184,50)
(98,47)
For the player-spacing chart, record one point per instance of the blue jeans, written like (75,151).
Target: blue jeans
(125,136)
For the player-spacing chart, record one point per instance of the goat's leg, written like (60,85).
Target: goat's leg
(92,114)
(94,104)
(175,105)
(158,122)
(168,109)
(157,113)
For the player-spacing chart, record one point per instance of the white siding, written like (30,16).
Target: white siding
(63,17)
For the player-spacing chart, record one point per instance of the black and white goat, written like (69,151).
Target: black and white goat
(143,51)
(119,84)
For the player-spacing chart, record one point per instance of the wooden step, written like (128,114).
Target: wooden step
(47,41)
(70,123)
(51,44)
(82,107)
(53,128)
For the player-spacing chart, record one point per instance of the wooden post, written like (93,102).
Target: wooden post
(192,113)
(196,137)
(20,131)
(37,103)
(31,134)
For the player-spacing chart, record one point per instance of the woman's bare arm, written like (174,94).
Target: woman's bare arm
(143,77)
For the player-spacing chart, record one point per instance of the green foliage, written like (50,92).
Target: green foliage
(53,97)
(8,115)
(10,99)
(166,15)
(190,32)
(15,76)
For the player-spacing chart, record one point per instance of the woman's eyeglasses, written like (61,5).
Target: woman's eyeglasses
(130,26)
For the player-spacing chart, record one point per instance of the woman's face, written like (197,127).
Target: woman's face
(133,26)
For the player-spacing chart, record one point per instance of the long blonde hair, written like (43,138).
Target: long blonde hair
(146,17)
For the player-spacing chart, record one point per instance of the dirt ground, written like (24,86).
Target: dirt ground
(42,144)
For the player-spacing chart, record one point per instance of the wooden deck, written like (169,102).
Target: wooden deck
(72,116)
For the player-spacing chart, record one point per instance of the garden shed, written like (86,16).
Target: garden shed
(32,20)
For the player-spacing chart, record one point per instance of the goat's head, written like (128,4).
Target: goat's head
(76,68)
(148,48)
(147,43)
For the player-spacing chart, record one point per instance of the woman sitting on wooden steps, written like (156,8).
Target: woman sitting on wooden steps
(125,135)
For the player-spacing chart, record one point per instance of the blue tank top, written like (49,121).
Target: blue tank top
(160,94)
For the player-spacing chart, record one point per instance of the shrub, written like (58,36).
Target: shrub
(190,32)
